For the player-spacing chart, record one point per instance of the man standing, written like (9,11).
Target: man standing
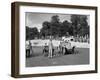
(30,46)
(50,49)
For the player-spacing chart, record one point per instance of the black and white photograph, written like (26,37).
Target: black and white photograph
(54,39)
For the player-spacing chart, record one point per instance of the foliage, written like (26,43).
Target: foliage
(78,25)
(31,33)
(56,28)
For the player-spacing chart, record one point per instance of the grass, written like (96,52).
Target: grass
(82,57)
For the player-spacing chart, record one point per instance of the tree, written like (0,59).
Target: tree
(55,26)
(27,32)
(67,29)
(50,28)
(45,30)
(75,21)
(31,33)
(35,32)
(55,19)
(80,25)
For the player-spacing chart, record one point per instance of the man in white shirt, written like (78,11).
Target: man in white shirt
(50,49)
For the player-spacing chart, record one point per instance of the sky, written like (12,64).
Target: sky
(36,19)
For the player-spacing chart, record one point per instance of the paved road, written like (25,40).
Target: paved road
(71,59)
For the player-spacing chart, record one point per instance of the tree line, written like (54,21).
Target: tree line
(78,25)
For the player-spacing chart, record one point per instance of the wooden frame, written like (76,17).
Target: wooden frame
(15,39)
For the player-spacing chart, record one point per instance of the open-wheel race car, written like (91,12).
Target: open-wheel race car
(67,47)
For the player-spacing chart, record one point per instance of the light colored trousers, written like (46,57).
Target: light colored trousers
(50,52)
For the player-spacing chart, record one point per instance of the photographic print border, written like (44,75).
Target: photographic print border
(15,39)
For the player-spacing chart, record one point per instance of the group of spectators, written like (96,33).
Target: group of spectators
(82,39)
